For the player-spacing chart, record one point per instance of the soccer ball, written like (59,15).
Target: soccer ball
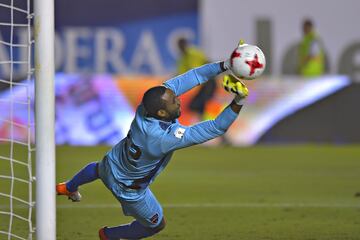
(247,62)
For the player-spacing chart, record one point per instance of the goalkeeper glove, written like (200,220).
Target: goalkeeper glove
(227,62)
(233,85)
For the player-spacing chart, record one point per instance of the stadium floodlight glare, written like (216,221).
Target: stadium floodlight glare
(45,118)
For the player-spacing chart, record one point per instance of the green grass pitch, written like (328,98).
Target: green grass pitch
(263,192)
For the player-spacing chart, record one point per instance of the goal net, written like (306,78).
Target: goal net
(16,120)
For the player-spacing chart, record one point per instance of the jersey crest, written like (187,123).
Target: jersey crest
(179,132)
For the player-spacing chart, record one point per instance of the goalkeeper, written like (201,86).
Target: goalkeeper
(131,166)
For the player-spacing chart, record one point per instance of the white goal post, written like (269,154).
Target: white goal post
(45,119)
(18,26)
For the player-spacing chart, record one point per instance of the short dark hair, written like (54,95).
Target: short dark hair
(308,22)
(182,44)
(152,100)
(182,41)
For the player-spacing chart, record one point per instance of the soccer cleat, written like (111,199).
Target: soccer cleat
(62,190)
(102,235)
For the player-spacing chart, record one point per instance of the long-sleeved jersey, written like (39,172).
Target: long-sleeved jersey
(138,158)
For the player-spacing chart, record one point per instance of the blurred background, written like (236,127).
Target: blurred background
(109,53)
(288,168)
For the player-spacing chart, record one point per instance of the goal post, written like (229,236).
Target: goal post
(45,119)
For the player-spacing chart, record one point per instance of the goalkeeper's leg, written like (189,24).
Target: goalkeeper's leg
(88,174)
(149,219)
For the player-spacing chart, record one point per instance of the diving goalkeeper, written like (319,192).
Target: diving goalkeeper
(129,168)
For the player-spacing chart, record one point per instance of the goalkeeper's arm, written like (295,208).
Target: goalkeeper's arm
(184,82)
(182,136)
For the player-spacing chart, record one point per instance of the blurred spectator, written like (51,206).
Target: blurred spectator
(311,52)
(192,57)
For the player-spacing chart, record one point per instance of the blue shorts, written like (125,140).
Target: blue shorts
(141,204)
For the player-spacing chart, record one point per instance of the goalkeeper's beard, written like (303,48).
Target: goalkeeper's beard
(174,115)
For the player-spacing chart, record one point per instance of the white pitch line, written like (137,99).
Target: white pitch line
(261,205)
(223,205)
(214,205)
(210,205)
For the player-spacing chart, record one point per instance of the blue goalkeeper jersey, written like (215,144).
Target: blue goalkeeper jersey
(138,158)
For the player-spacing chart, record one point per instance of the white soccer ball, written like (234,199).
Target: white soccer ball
(247,62)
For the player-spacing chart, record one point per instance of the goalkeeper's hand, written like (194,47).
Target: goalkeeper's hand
(233,85)
(227,62)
